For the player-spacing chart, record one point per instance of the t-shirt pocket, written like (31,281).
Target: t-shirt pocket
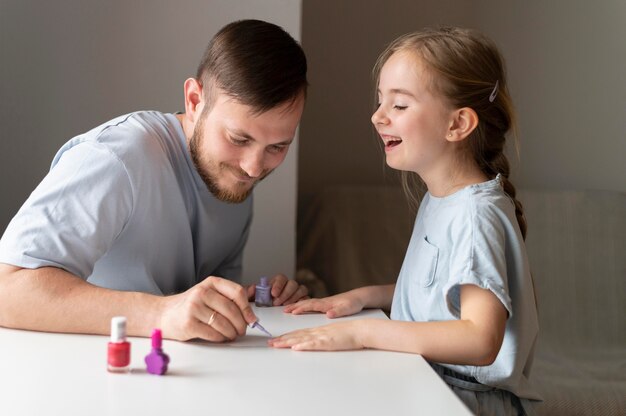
(427,256)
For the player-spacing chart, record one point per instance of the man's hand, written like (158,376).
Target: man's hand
(284,291)
(215,309)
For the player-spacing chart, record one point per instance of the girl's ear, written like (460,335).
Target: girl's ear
(464,121)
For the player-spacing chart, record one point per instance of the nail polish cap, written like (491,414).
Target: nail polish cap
(157,338)
(264,281)
(118,329)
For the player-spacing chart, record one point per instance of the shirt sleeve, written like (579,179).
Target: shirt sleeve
(478,258)
(74,215)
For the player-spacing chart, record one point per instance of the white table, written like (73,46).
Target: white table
(63,374)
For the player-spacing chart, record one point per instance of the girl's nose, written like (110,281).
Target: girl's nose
(379,117)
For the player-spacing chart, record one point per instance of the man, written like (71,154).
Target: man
(146,216)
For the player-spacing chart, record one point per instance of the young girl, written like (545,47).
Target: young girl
(464,298)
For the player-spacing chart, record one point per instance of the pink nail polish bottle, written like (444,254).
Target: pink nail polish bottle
(157,360)
(118,354)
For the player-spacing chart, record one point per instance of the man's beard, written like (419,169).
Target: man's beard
(210,171)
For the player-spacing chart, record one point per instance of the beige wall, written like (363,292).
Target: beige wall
(567,66)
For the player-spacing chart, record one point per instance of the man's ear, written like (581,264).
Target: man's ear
(464,121)
(194,99)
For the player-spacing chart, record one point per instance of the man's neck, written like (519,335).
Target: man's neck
(187,129)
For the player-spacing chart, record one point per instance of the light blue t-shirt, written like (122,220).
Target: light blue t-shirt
(472,237)
(124,208)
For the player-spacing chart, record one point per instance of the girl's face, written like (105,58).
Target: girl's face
(411,121)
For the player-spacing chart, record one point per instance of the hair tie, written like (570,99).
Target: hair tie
(494,92)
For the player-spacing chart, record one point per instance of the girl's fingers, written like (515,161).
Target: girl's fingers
(306,346)
(339,310)
(290,308)
(298,341)
(311,305)
(286,341)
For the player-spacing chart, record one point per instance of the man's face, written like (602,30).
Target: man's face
(233,149)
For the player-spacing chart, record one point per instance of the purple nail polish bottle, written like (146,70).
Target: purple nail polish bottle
(157,360)
(263,293)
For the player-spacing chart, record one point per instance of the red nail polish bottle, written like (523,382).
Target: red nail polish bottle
(118,355)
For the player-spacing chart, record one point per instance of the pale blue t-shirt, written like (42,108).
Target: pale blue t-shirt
(124,208)
(472,237)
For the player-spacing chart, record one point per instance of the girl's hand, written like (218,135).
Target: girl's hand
(333,306)
(333,337)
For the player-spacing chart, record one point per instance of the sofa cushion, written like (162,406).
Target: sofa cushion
(577,249)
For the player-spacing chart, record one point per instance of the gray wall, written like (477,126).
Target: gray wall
(67,66)
(566,62)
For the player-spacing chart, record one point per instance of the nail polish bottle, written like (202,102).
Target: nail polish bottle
(263,293)
(118,355)
(157,360)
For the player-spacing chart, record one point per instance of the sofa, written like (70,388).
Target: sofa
(352,236)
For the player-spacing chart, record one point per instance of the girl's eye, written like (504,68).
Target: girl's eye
(400,107)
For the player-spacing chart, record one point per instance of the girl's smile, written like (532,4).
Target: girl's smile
(390,141)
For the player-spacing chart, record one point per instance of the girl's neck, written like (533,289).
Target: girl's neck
(442,185)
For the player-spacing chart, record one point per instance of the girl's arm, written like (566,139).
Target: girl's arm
(474,339)
(347,303)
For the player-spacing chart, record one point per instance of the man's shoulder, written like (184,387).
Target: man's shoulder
(130,137)
(130,129)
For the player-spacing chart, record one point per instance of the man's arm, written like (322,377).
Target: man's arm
(53,300)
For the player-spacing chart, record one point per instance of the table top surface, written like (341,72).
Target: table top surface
(66,374)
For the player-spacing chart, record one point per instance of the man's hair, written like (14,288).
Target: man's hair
(257,63)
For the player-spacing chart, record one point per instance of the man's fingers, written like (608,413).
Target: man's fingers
(278,285)
(226,308)
(203,331)
(251,290)
(222,325)
(290,287)
(237,294)
(299,294)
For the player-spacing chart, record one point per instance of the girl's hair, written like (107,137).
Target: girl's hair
(468,71)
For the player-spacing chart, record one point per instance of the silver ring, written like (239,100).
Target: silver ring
(211,318)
